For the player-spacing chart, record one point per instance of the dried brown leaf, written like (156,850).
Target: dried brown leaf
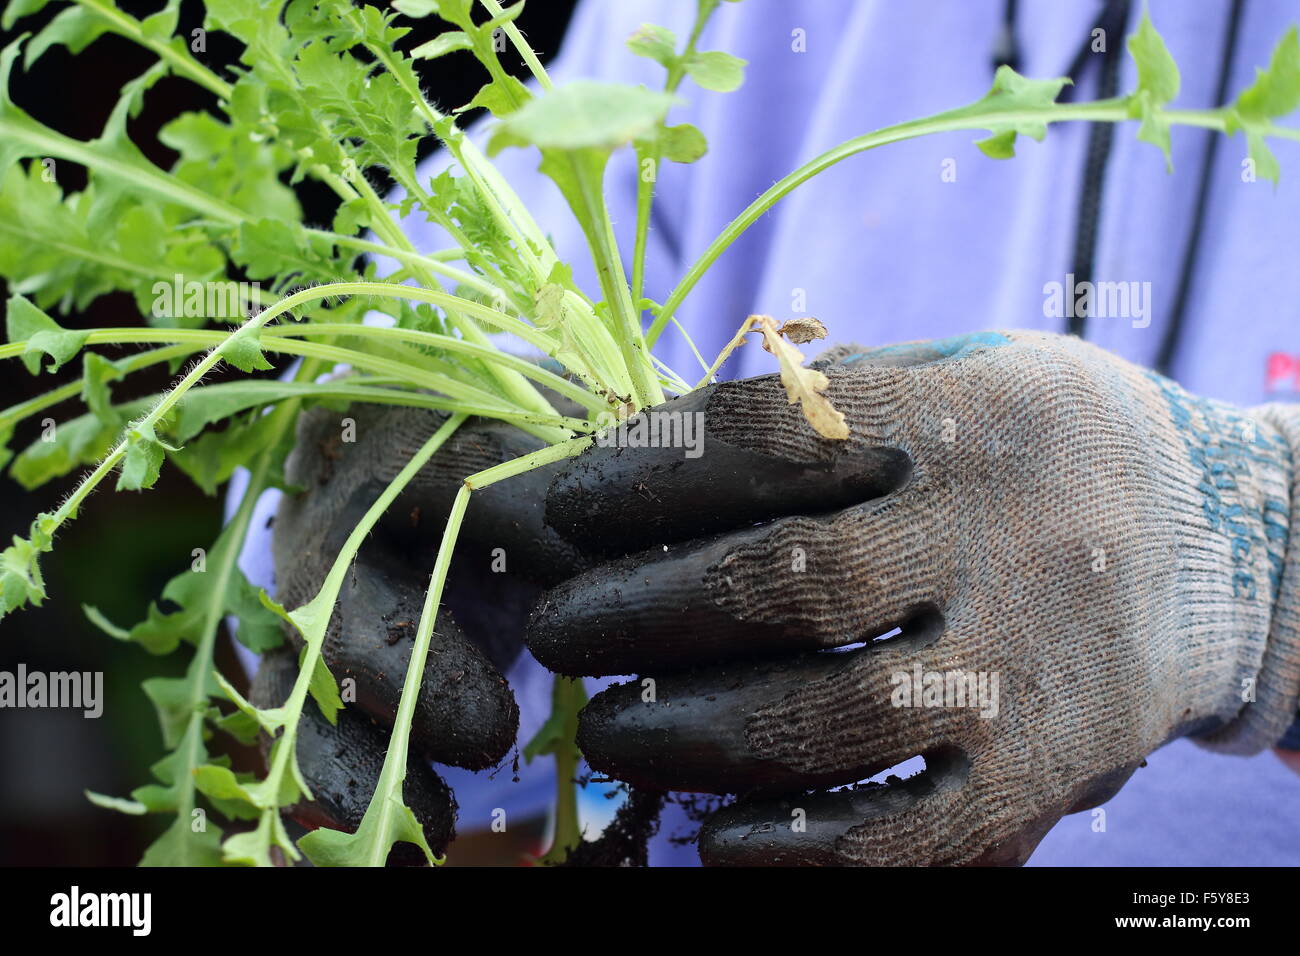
(802,385)
(803,330)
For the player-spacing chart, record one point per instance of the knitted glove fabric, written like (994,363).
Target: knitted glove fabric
(1085,562)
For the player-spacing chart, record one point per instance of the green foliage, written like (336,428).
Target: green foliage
(20,572)
(26,323)
(1158,83)
(1275,92)
(198,594)
(1005,104)
(583,115)
(323,93)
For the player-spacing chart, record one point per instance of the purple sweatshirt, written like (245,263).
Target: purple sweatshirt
(929,238)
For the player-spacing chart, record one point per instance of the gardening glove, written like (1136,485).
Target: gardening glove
(1104,560)
(466,714)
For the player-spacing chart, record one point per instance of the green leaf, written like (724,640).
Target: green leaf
(657,43)
(507,15)
(15,10)
(131,807)
(583,115)
(240,726)
(79,441)
(181,845)
(219,783)
(374,111)
(1012,93)
(254,848)
(499,98)
(275,248)
(557,733)
(211,459)
(75,27)
(201,406)
(443,44)
(6,435)
(26,323)
(416,8)
(202,601)
(244,353)
(324,689)
(271,720)
(66,252)
(20,573)
(1000,145)
(1158,83)
(683,143)
(548,739)
(352,216)
(453,11)
(97,372)
(1275,93)
(143,459)
(161,26)
(171,701)
(715,70)
(387,821)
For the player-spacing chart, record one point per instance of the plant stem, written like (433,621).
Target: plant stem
(567,698)
(312,620)
(593,215)
(386,799)
(451,344)
(516,38)
(645,189)
(1102,111)
(16,413)
(181,63)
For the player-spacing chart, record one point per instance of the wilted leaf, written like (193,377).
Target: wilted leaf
(802,385)
(803,330)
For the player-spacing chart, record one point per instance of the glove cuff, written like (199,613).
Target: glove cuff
(1264,722)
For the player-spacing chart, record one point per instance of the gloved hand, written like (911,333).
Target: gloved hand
(466,715)
(1107,562)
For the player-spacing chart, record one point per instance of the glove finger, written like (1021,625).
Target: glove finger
(341,765)
(817,721)
(827,829)
(465,714)
(957,811)
(751,457)
(797,584)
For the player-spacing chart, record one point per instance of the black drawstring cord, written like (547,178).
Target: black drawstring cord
(1006,48)
(1191,250)
(1081,58)
(1113,19)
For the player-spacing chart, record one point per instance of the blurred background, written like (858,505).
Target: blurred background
(125,546)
